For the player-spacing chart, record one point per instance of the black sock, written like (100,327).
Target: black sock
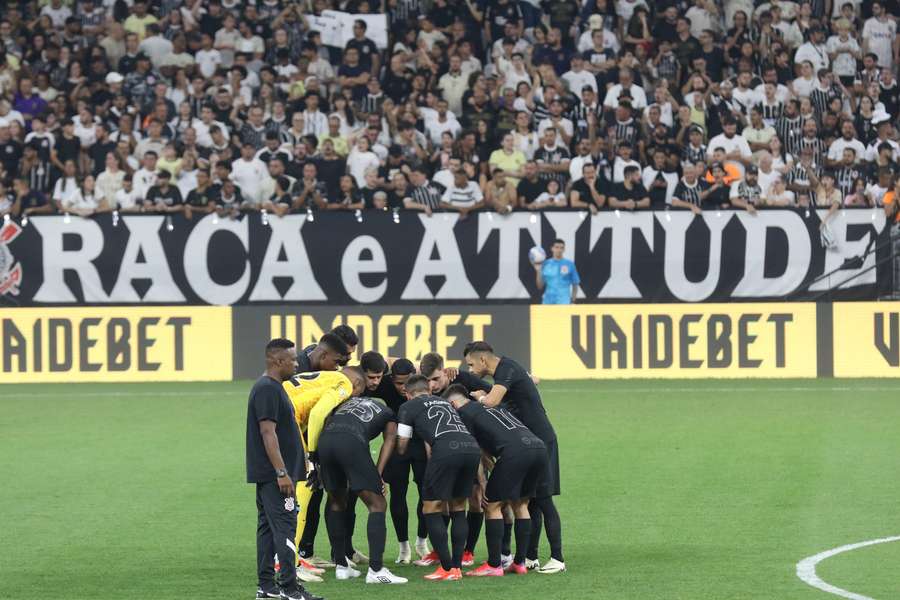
(350,526)
(437,533)
(377,533)
(493,533)
(523,534)
(422,528)
(537,521)
(308,538)
(400,511)
(459,531)
(475,519)
(334,523)
(553,525)
(506,547)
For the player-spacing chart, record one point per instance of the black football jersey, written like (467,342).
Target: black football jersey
(437,423)
(523,399)
(497,430)
(362,417)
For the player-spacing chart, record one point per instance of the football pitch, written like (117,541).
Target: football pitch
(671,490)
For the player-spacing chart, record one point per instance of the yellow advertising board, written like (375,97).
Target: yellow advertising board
(674,340)
(115,344)
(866,339)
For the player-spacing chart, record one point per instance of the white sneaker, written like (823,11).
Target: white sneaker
(383,576)
(307,576)
(551,567)
(350,563)
(532,564)
(405,555)
(343,573)
(359,558)
(505,561)
(422,547)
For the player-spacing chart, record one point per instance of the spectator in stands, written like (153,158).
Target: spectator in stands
(163,87)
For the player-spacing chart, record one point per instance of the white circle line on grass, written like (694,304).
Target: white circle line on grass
(806,568)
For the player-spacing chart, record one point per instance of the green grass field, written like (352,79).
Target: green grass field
(671,490)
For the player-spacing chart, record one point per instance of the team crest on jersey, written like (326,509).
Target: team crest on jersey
(564,269)
(289,503)
(10,270)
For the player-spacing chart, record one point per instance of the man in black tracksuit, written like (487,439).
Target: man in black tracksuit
(275,461)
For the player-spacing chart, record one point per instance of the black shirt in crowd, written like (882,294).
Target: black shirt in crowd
(269,402)
(170,196)
(637,192)
(584,192)
(718,197)
(523,399)
(10,155)
(530,190)
(201,199)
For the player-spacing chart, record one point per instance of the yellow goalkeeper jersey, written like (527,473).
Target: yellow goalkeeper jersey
(314,395)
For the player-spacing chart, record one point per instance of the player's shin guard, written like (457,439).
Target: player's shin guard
(459,532)
(553,525)
(350,525)
(537,522)
(475,520)
(376,530)
(523,535)
(400,511)
(437,532)
(422,528)
(335,522)
(493,533)
(506,546)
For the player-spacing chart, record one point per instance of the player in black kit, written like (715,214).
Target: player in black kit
(396,473)
(520,464)
(450,475)
(331,352)
(439,379)
(514,389)
(346,464)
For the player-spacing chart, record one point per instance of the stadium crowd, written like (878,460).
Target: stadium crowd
(196,106)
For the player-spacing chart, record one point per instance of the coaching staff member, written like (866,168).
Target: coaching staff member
(275,461)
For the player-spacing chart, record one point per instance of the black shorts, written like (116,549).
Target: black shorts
(517,475)
(549,486)
(345,462)
(450,476)
(397,469)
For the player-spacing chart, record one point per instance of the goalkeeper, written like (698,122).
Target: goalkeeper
(314,395)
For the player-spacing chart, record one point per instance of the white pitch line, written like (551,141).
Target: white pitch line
(806,568)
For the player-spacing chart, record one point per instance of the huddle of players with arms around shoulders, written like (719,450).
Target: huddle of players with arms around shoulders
(482,456)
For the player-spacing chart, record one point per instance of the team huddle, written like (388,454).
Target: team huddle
(482,456)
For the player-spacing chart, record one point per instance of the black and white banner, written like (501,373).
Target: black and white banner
(669,256)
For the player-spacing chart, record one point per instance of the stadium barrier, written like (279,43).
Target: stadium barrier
(394,331)
(384,258)
(165,343)
(115,344)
